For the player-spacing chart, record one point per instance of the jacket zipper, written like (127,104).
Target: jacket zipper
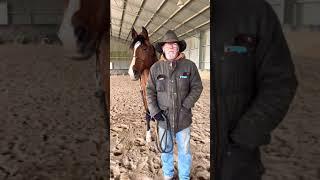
(173,99)
(174,113)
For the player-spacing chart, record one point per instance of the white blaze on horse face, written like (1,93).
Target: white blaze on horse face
(133,61)
(66,31)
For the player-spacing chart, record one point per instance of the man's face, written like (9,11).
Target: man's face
(171,50)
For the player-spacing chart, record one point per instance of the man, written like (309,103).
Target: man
(173,87)
(254,82)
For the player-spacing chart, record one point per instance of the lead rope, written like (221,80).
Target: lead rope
(165,134)
(158,145)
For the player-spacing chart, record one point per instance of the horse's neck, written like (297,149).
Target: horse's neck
(144,76)
(143,82)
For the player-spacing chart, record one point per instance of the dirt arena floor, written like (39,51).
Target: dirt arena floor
(51,123)
(52,126)
(294,153)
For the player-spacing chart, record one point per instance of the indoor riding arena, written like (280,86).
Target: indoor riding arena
(52,126)
(131,156)
(294,151)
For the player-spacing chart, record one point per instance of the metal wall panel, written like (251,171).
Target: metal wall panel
(297,13)
(35,11)
(120,64)
(307,12)
(120,54)
(192,50)
(205,50)
(198,49)
(3,12)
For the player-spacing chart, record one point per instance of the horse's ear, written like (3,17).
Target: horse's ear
(134,33)
(145,33)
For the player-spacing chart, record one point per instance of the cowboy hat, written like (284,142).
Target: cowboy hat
(170,37)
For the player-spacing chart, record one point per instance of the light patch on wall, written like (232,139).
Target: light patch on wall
(3,12)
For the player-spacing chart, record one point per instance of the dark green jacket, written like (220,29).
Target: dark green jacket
(253,89)
(171,86)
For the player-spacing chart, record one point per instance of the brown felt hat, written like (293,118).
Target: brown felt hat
(170,37)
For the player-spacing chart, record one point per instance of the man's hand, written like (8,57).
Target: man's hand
(158,116)
(184,109)
(148,117)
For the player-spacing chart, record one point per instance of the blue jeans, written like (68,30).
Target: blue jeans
(184,153)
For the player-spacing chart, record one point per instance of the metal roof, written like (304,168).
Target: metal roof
(158,16)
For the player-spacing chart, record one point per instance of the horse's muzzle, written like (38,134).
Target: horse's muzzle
(134,75)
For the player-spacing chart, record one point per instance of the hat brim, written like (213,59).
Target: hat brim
(182,46)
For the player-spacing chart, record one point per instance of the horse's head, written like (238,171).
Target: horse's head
(83,26)
(144,55)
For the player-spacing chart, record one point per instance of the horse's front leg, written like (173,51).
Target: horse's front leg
(148,132)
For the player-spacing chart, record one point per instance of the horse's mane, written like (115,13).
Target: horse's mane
(138,38)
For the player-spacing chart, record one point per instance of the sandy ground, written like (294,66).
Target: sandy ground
(294,153)
(51,123)
(131,157)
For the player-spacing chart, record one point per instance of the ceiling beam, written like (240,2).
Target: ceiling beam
(189,19)
(117,8)
(150,11)
(123,28)
(115,38)
(191,30)
(135,19)
(122,16)
(197,27)
(127,12)
(158,9)
(123,22)
(166,21)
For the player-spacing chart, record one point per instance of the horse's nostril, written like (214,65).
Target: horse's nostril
(80,33)
(79,30)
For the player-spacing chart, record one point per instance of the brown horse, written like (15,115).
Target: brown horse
(83,32)
(144,56)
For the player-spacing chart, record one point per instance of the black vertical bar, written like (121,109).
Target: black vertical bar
(215,117)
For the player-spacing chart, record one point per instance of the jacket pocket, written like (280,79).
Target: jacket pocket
(243,162)
(161,83)
(184,81)
(185,118)
(238,73)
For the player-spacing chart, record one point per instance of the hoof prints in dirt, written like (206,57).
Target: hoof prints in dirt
(53,126)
